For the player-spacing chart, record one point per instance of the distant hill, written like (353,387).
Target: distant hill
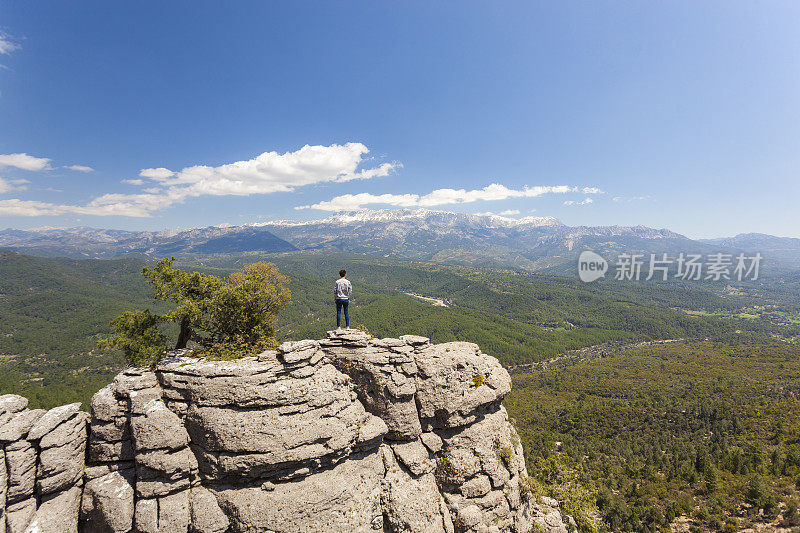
(85,242)
(786,249)
(529,243)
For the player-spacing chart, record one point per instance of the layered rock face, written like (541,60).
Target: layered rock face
(42,456)
(349,433)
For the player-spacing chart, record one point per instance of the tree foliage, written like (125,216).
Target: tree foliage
(704,430)
(138,336)
(222,318)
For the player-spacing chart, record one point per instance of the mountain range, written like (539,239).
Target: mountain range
(531,243)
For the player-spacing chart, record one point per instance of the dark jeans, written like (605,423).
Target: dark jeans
(342,304)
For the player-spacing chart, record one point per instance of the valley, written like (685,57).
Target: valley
(637,403)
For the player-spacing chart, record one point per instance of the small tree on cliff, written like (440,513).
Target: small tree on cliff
(225,318)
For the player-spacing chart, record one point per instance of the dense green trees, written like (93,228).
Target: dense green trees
(705,430)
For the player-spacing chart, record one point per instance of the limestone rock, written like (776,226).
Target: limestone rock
(114,431)
(348,433)
(12,403)
(20,514)
(19,425)
(158,428)
(51,419)
(3,481)
(170,464)
(70,430)
(105,405)
(206,516)
(134,379)
(386,389)
(173,513)
(21,465)
(107,504)
(457,384)
(58,512)
(412,504)
(146,515)
(414,455)
(320,420)
(60,467)
(432,441)
(343,498)
(243,383)
(101,451)
(415,340)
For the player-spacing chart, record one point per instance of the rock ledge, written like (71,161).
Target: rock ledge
(347,433)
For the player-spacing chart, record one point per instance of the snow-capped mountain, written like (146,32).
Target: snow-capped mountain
(531,242)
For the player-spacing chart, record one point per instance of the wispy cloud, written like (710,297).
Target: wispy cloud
(107,205)
(585,201)
(133,181)
(495,191)
(80,168)
(24,162)
(7,45)
(629,198)
(12,184)
(30,208)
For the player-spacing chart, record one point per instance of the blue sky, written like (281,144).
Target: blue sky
(682,115)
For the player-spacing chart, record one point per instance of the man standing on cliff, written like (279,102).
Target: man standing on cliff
(341,292)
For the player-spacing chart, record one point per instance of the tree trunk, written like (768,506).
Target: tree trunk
(184,335)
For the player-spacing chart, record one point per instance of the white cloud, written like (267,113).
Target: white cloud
(585,201)
(352,202)
(11,184)
(6,45)
(495,191)
(24,161)
(272,172)
(159,173)
(592,190)
(267,173)
(80,168)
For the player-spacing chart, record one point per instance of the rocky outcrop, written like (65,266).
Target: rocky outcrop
(348,433)
(42,456)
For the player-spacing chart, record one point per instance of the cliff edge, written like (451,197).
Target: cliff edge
(348,433)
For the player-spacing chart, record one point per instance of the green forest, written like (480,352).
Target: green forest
(703,429)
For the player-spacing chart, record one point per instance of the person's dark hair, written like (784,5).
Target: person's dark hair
(342,272)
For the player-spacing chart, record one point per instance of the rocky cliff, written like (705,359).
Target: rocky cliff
(349,433)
